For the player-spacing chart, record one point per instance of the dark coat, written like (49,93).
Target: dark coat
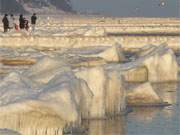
(33,19)
(5,22)
(21,23)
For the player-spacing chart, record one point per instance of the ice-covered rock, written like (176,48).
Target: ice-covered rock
(107,88)
(161,63)
(143,94)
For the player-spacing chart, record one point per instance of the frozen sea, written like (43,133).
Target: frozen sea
(139,121)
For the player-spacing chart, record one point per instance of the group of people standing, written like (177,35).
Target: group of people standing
(9,22)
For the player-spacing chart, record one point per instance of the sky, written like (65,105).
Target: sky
(146,8)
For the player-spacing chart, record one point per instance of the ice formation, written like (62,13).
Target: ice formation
(109,93)
(68,85)
(143,94)
(161,64)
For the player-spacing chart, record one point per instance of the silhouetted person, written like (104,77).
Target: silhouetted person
(33,21)
(21,22)
(11,22)
(26,24)
(5,23)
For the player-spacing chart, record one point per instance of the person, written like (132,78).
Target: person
(5,22)
(26,24)
(33,21)
(11,22)
(21,22)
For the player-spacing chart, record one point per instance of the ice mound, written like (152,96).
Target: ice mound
(143,94)
(70,96)
(154,64)
(15,87)
(8,132)
(64,101)
(107,88)
(45,69)
(161,64)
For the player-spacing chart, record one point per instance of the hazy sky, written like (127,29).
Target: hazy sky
(148,8)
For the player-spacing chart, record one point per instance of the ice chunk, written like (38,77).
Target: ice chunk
(96,80)
(161,64)
(143,94)
(155,63)
(108,91)
(69,95)
(65,100)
